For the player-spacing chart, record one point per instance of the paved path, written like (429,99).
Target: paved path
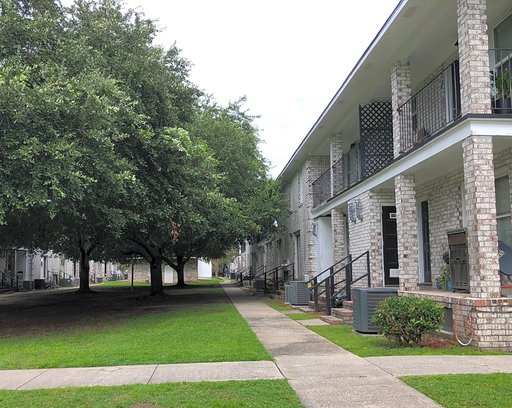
(321,373)
(137,374)
(429,365)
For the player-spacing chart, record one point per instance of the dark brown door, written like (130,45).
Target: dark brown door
(389,245)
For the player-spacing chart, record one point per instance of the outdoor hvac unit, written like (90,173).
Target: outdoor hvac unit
(287,293)
(259,284)
(365,302)
(298,293)
(459,259)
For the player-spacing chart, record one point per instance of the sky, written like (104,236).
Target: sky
(288,57)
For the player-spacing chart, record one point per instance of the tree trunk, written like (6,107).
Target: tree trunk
(155,267)
(84,271)
(180,271)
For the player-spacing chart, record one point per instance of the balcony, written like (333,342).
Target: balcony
(501,83)
(431,109)
(322,188)
(366,157)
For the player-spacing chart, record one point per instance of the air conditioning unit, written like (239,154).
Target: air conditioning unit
(298,293)
(365,303)
(287,288)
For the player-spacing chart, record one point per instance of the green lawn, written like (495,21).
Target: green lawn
(466,390)
(303,316)
(211,332)
(235,394)
(277,304)
(127,283)
(123,283)
(372,346)
(201,282)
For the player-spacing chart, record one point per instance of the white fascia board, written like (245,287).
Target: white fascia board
(349,78)
(454,135)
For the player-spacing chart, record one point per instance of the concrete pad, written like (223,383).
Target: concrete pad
(332,365)
(91,376)
(359,393)
(246,370)
(431,365)
(13,379)
(312,322)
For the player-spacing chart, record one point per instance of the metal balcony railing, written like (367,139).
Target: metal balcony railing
(322,188)
(430,109)
(347,170)
(501,82)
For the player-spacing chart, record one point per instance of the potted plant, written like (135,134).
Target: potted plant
(503,86)
(444,280)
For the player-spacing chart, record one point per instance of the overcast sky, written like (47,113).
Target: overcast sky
(289,57)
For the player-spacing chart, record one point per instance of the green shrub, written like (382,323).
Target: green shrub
(405,319)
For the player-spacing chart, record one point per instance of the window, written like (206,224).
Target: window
(503,215)
(503,34)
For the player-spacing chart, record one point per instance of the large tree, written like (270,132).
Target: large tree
(243,203)
(85,99)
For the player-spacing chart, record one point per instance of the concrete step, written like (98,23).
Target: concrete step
(280,293)
(321,304)
(307,309)
(332,320)
(346,315)
(348,304)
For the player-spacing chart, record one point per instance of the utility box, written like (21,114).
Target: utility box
(459,264)
(365,303)
(298,293)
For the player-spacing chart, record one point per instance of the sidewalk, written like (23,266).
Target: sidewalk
(137,374)
(321,373)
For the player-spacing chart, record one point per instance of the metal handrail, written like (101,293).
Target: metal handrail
(326,270)
(240,275)
(330,285)
(284,280)
(271,277)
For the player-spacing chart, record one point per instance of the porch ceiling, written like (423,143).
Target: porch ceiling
(421,32)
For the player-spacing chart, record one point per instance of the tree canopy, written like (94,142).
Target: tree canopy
(107,148)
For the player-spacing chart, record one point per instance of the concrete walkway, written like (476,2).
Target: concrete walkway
(137,374)
(321,373)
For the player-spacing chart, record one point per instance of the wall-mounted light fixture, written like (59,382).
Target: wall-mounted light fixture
(355,211)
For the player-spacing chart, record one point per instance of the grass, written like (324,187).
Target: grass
(205,333)
(373,346)
(201,282)
(303,316)
(277,304)
(127,283)
(122,283)
(466,390)
(235,394)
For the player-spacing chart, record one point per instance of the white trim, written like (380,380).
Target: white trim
(474,126)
